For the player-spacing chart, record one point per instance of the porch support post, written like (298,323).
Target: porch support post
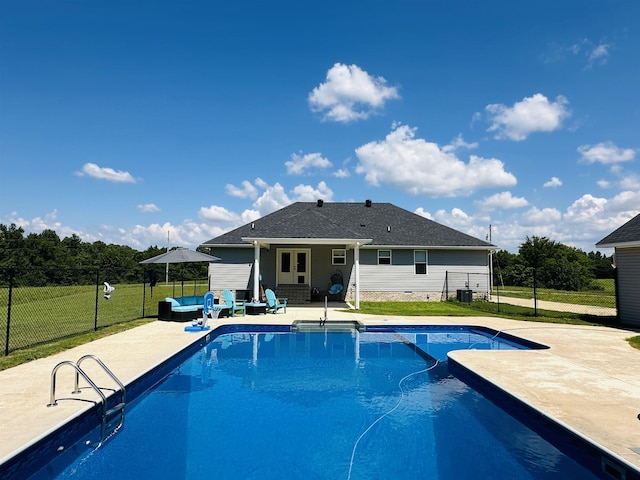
(256,270)
(356,259)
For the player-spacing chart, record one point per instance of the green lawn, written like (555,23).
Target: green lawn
(604,296)
(489,309)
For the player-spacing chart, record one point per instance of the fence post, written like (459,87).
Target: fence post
(6,346)
(144,292)
(446,285)
(616,293)
(535,293)
(95,318)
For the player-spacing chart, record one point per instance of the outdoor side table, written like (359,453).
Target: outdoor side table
(256,308)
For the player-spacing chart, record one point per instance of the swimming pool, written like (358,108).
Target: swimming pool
(350,404)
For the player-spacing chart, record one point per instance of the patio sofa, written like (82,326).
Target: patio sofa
(184,309)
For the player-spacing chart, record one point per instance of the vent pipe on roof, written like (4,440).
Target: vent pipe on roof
(320,202)
(367,203)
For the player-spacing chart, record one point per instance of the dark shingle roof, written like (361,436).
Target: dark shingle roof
(627,233)
(382,223)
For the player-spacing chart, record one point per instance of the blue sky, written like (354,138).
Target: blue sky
(121,121)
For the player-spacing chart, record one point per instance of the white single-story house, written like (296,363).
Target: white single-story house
(377,251)
(626,242)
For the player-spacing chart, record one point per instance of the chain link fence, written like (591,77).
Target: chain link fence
(466,286)
(40,305)
(597,300)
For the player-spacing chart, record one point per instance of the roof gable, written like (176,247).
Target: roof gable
(383,224)
(629,233)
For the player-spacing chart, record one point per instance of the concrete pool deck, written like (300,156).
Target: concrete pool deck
(588,380)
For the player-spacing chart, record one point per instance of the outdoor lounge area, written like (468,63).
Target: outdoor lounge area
(185,309)
(190,307)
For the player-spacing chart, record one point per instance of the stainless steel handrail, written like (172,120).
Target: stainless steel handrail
(52,397)
(105,368)
(118,409)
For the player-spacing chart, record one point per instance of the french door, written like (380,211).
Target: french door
(294,266)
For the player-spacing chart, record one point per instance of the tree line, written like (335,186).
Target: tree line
(70,261)
(546,263)
(39,259)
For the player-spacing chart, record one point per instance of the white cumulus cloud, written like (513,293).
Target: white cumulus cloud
(541,216)
(605,153)
(216,213)
(349,93)
(502,200)
(307,193)
(301,163)
(148,208)
(420,167)
(552,183)
(459,143)
(273,198)
(105,173)
(247,190)
(532,114)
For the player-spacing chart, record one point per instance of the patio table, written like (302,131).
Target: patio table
(256,308)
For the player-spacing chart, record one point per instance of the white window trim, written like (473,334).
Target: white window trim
(426,262)
(342,255)
(390,256)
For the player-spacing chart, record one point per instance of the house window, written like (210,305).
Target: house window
(339,256)
(384,257)
(420,261)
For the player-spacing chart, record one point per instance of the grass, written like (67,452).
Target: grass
(488,309)
(47,314)
(602,296)
(634,341)
(48,320)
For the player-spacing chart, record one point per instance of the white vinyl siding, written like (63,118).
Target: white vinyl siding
(628,266)
(234,271)
(235,276)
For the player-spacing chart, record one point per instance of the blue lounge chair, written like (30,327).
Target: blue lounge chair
(274,303)
(233,304)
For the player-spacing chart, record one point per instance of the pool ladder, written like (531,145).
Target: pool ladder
(112,418)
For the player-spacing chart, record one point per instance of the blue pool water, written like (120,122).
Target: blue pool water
(342,405)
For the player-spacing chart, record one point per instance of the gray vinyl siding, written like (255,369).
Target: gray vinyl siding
(322,269)
(400,276)
(628,266)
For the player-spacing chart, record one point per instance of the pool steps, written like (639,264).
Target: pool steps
(326,325)
(112,418)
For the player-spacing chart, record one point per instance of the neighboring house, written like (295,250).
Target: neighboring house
(626,242)
(382,252)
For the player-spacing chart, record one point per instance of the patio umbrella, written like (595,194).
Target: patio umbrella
(181,255)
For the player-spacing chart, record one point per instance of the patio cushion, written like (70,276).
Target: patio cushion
(173,301)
